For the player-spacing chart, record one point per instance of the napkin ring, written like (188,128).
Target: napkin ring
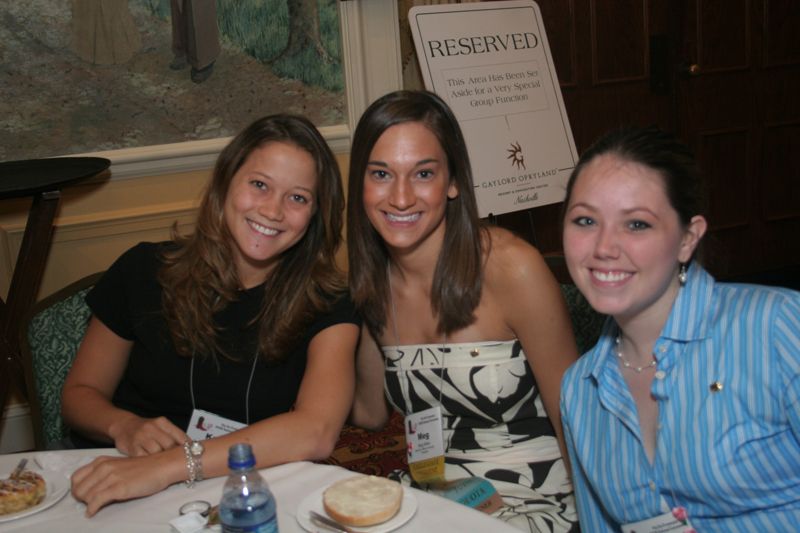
(193,451)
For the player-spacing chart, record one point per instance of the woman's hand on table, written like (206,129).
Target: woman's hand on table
(110,479)
(136,436)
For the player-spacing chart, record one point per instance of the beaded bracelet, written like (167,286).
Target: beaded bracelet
(193,450)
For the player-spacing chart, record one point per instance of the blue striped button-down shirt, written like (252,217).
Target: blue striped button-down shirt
(728,441)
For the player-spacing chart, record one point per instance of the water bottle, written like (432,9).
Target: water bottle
(247,503)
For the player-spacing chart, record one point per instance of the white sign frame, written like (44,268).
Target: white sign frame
(491,63)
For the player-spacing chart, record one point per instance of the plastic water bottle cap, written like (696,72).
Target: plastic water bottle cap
(241,456)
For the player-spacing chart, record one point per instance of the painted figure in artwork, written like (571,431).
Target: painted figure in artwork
(195,37)
(103,32)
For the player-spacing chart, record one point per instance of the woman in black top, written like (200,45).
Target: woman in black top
(245,322)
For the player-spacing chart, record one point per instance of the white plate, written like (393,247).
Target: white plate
(57,488)
(313,502)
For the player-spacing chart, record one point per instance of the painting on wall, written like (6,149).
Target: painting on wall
(84,76)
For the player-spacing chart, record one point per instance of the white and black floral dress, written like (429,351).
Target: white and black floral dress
(494,425)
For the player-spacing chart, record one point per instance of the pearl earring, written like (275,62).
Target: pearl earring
(682,274)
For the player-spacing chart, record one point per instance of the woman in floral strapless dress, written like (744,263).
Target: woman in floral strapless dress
(457,315)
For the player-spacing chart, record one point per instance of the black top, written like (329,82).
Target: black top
(127,299)
(31,176)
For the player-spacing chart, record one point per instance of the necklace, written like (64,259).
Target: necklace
(626,363)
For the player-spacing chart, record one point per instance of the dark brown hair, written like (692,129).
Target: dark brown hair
(660,151)
(198,280)
(456,289)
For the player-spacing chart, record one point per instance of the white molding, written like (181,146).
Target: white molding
(103,225)
(372,67)
(16,430)
(371,46)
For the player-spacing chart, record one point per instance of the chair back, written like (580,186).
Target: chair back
(49,341)
(587,324)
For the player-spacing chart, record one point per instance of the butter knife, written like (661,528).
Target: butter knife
(328,523)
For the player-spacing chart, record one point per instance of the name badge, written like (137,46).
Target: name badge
(425,448)
(204,425)
(675,521)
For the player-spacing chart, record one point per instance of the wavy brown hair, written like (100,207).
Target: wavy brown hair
(197,276)
(457,281)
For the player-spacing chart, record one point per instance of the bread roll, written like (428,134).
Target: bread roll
(363,500)
(21,492)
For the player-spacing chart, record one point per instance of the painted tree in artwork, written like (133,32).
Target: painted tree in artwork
(304,33)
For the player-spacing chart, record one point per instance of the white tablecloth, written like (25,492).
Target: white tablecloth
(290,483)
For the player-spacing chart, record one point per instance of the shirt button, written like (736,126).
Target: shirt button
(662,349)
(652,485)
(660,374)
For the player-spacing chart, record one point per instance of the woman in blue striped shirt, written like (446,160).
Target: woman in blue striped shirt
(686,414)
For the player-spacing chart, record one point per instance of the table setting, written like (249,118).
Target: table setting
(297,486)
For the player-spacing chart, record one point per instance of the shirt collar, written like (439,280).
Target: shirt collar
(688,320)
(690,314)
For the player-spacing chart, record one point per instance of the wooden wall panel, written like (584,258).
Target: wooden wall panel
(80,247)
(724,36)
(619,44)
(781,196)
(727,184)
(781,28)
(559,22)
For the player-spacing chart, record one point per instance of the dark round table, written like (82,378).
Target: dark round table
(42,179)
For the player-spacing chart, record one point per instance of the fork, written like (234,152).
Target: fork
(328,523)
(19,468)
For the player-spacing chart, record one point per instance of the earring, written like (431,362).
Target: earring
(682,274)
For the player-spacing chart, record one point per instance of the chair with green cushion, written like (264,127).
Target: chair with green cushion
(586,322)
(49,341)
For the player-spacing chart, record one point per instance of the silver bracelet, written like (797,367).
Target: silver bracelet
(193,450)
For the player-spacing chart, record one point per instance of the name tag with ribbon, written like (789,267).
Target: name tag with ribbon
(675,521)
(425,446)
(205,425)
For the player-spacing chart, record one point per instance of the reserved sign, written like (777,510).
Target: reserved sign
(491,63)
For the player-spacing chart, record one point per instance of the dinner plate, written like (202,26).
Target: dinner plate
(313,502)
(57,488)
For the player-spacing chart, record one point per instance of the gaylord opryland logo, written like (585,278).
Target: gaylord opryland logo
(515,155)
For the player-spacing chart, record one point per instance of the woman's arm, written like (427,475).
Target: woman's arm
(534,308)
(89,387)
(310,431)
(369,406)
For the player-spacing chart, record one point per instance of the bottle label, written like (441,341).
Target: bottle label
(270,527)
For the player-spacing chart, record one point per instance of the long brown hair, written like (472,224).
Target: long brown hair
(456,289)
(198,280)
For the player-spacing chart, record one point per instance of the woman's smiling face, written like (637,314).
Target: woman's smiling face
(407,185)
(623,240)
(268,207)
